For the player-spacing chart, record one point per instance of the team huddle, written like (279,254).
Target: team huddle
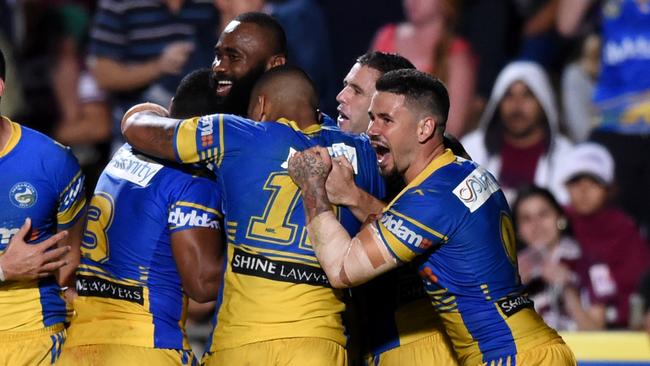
(274,215)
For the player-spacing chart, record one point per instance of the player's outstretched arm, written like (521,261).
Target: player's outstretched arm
(346,261)
(342,190)
(198,256)
(22,261)
(147,129)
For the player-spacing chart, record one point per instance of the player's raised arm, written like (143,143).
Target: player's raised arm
(346,261)
(146,128)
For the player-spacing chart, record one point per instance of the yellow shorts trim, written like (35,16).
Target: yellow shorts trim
(435,349)
(281,352)
(33,348)
(124,355)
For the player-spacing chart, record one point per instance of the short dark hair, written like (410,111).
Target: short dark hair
(2,66)
(419,89)
(528,191)
(384,62)
(194,96)
(276,32)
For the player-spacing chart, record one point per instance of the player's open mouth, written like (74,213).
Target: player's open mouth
(223,87)
(342,118)
(382,152)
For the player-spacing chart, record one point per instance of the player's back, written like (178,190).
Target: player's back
(273,286)
(129,288)
(41,180)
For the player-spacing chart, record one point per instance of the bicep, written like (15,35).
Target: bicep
(366,258)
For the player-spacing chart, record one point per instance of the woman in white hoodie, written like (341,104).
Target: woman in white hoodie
(518,137)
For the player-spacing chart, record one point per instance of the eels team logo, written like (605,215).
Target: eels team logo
(23,195)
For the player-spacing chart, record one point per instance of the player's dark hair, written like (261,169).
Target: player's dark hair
(289,71)
(419,89)
(384,62)
(2,65)
(194,96)
(278,39)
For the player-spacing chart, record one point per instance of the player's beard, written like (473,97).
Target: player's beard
(236,102)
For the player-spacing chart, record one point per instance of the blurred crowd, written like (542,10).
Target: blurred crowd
(551,96)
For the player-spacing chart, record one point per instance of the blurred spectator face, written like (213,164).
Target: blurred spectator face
(241,56)
(354,98)
(537,222)
(421,11)
(587,194)
(520,111)
(236,7)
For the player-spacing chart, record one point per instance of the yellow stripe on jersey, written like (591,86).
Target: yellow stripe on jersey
(67,216)
(401,250)
(421,225)
(446,158)
(186,141)
(21,310)
(200,207)
(309,130)
(221,142)
(14,137)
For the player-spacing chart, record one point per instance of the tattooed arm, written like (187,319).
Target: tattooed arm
(147,129)
(346,261)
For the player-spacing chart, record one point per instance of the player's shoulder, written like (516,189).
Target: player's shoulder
(40,144)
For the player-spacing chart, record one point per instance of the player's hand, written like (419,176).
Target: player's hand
(22,261)
(340,182)
(310,167)
(174,57)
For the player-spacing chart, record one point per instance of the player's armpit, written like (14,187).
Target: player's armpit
(198,255)
(348,261)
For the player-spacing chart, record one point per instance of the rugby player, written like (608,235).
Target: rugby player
(452,219)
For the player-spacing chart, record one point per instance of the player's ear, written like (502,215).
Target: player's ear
(2,87)
(260,108)
(276,60)
(426,129)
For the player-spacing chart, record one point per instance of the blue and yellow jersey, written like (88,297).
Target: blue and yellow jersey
(41,179)
(129,288)
(396,311)
(453,221)
(273,285)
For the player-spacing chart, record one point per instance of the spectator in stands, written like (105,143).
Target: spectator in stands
(548,261)
(139,51)
(614,253)
(518,138)
(427,39)
(622,94)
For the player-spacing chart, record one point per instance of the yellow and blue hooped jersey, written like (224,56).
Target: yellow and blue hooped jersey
(129,288)
(41,179)
(453,221)
(273,285)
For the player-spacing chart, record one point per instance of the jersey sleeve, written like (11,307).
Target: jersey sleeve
(70,186)
(198,204)
(415,222)
(208,139)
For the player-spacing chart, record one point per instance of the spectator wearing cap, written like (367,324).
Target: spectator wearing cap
(614,252)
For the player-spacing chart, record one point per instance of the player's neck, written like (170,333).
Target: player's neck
(422,159)
(303,118)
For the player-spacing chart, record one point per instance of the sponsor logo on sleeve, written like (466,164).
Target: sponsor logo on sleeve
(397,227)
(476,188)
(206,126)
(129,167)
(184,216)
(73,192)
(23,195)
